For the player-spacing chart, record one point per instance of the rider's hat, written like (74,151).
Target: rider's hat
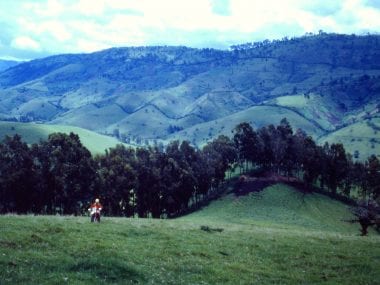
(96,200)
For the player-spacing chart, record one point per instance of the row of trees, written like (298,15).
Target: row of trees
(296,154)
(60,174)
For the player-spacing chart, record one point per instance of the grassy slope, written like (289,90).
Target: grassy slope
(257,116)
(269,238)
(314,108)
(89,117)
(362,137)
(32,133)
(281,207)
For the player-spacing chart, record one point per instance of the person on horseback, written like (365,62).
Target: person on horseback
(95,211)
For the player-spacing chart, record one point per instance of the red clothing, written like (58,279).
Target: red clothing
(97,206)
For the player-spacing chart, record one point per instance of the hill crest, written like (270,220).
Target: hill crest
(336,76)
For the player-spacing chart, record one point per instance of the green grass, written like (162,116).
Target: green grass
(315,108)
(32,133)
(362,137)
(264,241)
(282,207)
(257,116)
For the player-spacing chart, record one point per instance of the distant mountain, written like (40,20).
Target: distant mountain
(5,64)
(322,83)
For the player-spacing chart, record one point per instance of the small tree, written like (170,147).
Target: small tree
(367,213)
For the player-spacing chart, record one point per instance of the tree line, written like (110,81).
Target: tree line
(60,175)
(295,154)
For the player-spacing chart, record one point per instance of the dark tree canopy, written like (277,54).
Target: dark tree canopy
(59,175)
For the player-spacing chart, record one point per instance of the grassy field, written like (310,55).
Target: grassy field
(273,237)
(362,137)
(32,133)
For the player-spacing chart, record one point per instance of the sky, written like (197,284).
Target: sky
(33,29)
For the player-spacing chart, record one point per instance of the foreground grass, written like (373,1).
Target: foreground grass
(70,250)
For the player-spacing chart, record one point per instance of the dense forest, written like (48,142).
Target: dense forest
(60,175)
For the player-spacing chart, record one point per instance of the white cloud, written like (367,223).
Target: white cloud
(87,25)
(49,8)
(368,19)
(58,30)
(84,45)
(7,57)
(53,28)
(24,42)
(90,7)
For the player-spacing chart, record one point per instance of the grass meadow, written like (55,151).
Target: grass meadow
(277,236)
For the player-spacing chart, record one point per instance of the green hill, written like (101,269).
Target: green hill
(280,206)
(33,133)
(272,237)
(162,92)
(361,139)
(313,107)
(257,116)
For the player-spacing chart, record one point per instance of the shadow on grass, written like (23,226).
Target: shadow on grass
(107,269)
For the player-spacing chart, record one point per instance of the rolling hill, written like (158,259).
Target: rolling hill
(325,82)
(33,133)
(361,139)
(257,116)
(282,207)
(271,237)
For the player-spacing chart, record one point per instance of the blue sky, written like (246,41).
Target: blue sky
(32,29)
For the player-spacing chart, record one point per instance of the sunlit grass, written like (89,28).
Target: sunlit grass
(33,133)
(272,239)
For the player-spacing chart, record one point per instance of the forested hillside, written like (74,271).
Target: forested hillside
(322,83)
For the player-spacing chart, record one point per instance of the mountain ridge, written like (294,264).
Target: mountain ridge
(335,77)
(5,64)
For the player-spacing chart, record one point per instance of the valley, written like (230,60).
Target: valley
(323,83)
(190,142)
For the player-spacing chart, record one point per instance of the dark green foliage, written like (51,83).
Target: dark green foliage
(60,175)
(65,173)
(148,188)
(116,180)
(16,176)
(246,143)
(280,150)
(372,177)
(336,167)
